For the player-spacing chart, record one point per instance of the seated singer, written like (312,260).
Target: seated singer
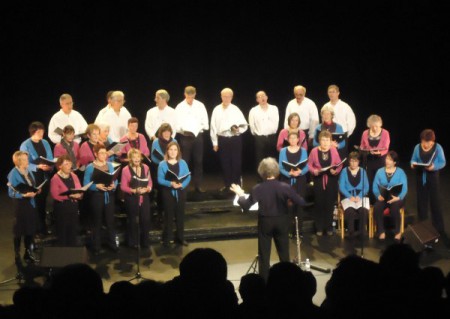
(387,177)
(354,187)
(272,197)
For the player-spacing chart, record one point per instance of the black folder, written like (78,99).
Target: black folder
(300,165)
(172,177)
(388,193)
(105,178)
(76,190)
(24,188)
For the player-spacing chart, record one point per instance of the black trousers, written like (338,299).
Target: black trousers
(373,163)
(265,146)
(324,201)
(230,154)
(67,222)
(378,215)
(429,195)
(173,209)
(295,210)
(138,216)
(192,153)
(351,215)
(275,227)
(99,210)
(41,206)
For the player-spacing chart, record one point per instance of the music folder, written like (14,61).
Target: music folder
(300,165)
(60,131)
(159,156)
(46,161)
(388,193)
(77,190)
(116,146)
(323,169)
(105,178)
(23,188)
(427,164)
(172,177)
(361,149)
(137,182)
(338,137)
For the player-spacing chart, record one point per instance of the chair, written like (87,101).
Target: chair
(341,218)
(386,212)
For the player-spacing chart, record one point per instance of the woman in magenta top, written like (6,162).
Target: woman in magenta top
(323,166)
(294,126)
(68,146)
(86,155)
(136,183)
(135,140)
(65,207)
(374,147)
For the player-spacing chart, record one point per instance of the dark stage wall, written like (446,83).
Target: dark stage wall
(389,59)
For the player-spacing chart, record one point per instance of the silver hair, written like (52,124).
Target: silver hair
(268,167)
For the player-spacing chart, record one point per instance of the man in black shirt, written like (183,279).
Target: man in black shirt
(272,197)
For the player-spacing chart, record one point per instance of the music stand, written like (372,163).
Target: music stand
(137,275)
(364,155)
(253,266)
(298,260)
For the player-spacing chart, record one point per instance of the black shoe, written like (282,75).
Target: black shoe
(200,190)
(113,248)
(29,257)
(182,242)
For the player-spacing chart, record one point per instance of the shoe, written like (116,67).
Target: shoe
(382,236)
(398,236)
(29,257)
(182,242)
(319,233)
(113,248)
(200,190)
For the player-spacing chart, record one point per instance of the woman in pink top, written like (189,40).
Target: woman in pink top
(68,146)
(374,147)
(323,164)
(65,207)
(294,126)
(136,183)
(135,140)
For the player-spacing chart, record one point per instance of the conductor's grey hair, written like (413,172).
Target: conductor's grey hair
(268,167)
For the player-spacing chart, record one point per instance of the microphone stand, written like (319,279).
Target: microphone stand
(138,275)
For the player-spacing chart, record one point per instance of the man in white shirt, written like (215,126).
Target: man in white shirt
(108,105)
(306,108)
(343,113)
(161,113)
(116,115)
(192,120)
(66,116)
(263,120)
(227,125)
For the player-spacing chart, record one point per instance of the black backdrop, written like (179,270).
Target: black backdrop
(388,57)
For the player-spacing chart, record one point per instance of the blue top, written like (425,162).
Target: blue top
(88,178)
(157,147)
(399,177)
(33,156)
(283,157)
(15,178)
(348,190)
(162,170)
(438,161)
(318,129)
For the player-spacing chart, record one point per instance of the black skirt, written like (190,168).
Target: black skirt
(26,218)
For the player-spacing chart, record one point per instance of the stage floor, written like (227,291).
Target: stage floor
(212,221)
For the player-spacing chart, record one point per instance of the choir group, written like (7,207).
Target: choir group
(90,162)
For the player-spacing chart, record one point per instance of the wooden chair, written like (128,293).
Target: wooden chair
(341,218)
(386,212)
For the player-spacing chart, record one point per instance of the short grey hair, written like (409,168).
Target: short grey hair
(103,126)
(268,167)
(64,96)
(116,94)
(328,108)
(374,119)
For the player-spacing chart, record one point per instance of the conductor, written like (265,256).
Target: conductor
(272,197)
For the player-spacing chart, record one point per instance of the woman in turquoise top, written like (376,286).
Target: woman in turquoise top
(386,177)
(173,192)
